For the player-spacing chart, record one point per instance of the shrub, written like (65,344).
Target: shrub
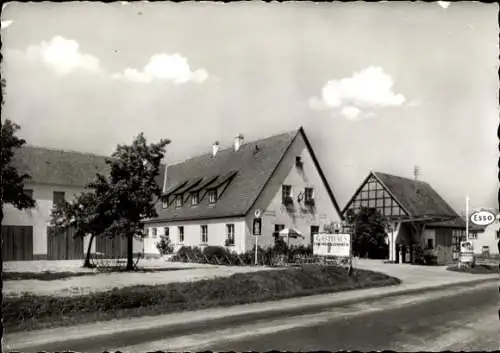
(189,254)
(216,255)
(418,255)
(430,259)
(165,246)
(280,246)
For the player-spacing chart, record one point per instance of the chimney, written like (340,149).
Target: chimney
(416,172)
(215,148)
(238,141)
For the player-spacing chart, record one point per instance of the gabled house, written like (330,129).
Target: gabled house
(218,198)
(55,176)
(417,215)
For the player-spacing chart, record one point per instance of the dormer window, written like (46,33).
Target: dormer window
(195,198)
(178,201)
(212,196)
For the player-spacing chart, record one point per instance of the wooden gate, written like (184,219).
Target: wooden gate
(64,246)
(116,247)
(111,247)
(17,243)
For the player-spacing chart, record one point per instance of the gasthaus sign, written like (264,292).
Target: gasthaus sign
(332,245)
(483,217)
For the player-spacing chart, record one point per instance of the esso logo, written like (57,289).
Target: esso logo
(482,218)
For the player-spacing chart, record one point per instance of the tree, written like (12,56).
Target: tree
(368,232)
(12,182)
(89,213)
(120,202)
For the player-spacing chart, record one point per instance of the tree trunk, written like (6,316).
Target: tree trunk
(130,252)
(87,263)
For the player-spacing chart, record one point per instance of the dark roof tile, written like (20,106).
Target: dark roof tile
(417,197)
(57,167)
(250,168)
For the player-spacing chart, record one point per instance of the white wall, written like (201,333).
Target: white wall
(39,216)
(217,234)
(273,210)
(488,238)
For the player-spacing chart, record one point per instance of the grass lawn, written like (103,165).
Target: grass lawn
(30,312)
(52,276)
(478,269)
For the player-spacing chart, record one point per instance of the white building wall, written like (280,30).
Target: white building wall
(38,217)
(487,238)
(301,218)
(217,234)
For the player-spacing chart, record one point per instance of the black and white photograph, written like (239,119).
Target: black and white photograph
(250,176)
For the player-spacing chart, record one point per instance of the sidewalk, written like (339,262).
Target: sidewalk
(415,280)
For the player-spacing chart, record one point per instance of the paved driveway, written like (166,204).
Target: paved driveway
(413,274)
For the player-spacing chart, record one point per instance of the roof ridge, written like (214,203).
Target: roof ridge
(53,149)
(289,132)
(401,177)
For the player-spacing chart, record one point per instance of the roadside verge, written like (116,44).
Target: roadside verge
(104,334)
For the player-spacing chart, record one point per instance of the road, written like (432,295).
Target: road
(467,321)
(454,319)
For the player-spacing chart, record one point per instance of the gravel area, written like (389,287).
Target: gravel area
(107,281)
(76,265)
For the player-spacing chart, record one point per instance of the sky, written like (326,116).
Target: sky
(377,86)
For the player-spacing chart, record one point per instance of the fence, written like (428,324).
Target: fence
(17,243)
(64,245)
(116,247)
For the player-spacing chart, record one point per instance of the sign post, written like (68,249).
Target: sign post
(466,253)
(257,228)
(333,245)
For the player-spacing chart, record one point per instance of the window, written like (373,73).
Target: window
(212,196)
(498,234)
(314,231)
(178,201)
(286,191)
(277,229)
(473,235)
(230,234)
(204,234)
(166,232)
(28,192)
(181,234)
(195,198)
(309,196)
(164,204)
(430,244)
(58,197)
(154,232)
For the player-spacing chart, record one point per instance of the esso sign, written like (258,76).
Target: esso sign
(482,218)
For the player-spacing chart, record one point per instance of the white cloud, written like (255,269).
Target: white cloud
(444,4)
(6,23)
(371,86)
(63,56)
(350,112)
(173,68)
(415,103)
(367,89)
